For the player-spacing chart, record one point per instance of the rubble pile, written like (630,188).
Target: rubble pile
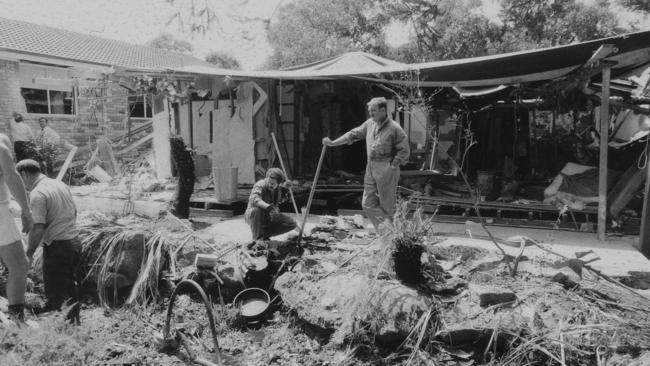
(428,300)
(408,297)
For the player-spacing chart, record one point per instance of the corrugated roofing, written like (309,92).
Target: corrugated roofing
(40,40)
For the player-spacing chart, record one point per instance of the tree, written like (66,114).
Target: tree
(310,30)
(556,22)
(223,60)
(642,5)
(170,43)
(445,29)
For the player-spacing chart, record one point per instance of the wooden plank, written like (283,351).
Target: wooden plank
(604,133)
(623,191)
(66,164)
(194,212)
(347,212)
(136,144)
(644,236)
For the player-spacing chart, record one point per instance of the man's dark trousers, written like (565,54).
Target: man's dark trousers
(264,224)
(60,268)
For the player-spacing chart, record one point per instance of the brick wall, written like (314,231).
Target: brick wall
(90,122)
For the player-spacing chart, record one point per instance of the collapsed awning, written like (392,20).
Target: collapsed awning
(632,54)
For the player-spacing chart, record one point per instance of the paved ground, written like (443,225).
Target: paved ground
(618,255)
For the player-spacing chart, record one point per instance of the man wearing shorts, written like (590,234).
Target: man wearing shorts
(12,252)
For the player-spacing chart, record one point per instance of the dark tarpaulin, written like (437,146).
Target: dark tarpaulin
(632,54)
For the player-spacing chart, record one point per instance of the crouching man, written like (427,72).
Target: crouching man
(55,216)
(262,213)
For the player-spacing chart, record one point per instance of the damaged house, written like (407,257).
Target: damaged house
(511,123)
(95,92)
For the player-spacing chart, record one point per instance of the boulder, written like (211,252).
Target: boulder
(124,271)
(336,302)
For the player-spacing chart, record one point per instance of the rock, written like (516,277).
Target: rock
(488,295)
(124,273)
(127,269)
(335,302)
(567,278)
(463,336)
(450,287)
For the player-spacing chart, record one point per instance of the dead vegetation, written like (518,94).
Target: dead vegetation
(408,297)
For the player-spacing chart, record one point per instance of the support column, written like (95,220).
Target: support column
(604,140)
(644,236)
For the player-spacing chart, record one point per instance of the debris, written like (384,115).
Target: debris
(207,261)
(489,296)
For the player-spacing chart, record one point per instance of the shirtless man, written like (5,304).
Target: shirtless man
(12,252)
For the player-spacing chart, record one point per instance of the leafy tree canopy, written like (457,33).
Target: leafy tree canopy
(310,30)
(643,5)
(223,60)
(170,43)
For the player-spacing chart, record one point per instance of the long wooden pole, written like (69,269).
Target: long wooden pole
(277,151)
(604,143)
(311,193)
(644,236)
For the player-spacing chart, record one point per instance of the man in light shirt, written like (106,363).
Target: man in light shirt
(55,216)
(387,147)
(47,135)
(22,136)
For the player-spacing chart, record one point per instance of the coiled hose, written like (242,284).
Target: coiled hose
(189,284)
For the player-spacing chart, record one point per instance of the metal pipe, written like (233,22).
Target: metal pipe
(208,307)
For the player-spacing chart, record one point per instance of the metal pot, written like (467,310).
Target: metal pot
(252,303)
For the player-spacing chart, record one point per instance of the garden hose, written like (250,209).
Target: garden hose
(208,307)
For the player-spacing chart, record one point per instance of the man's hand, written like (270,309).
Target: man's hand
(327,141)
(30,259)
(28,221)
(272,209)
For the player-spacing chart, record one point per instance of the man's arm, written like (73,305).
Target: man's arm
(355,134)
(14,182)
(256,197)
(34,240)
(402,148)
(39,209)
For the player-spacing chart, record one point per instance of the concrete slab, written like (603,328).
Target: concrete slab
(618,255)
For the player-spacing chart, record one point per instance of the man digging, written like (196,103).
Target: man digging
(387,148)
(55,216)
(262,213)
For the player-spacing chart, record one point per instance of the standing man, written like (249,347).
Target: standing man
(12,252)
(48,142)
(47,135)
(22,136)
(262,213)
(55,216)
(388,148)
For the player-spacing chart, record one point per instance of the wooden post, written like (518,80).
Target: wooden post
(644,236)
(277,151)
(311,194)
(604,140)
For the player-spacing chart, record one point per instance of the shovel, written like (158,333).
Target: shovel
(311,193)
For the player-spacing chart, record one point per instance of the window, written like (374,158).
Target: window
(45,101)
(139,106)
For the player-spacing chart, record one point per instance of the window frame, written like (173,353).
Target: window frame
(49,102)
(145,104)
